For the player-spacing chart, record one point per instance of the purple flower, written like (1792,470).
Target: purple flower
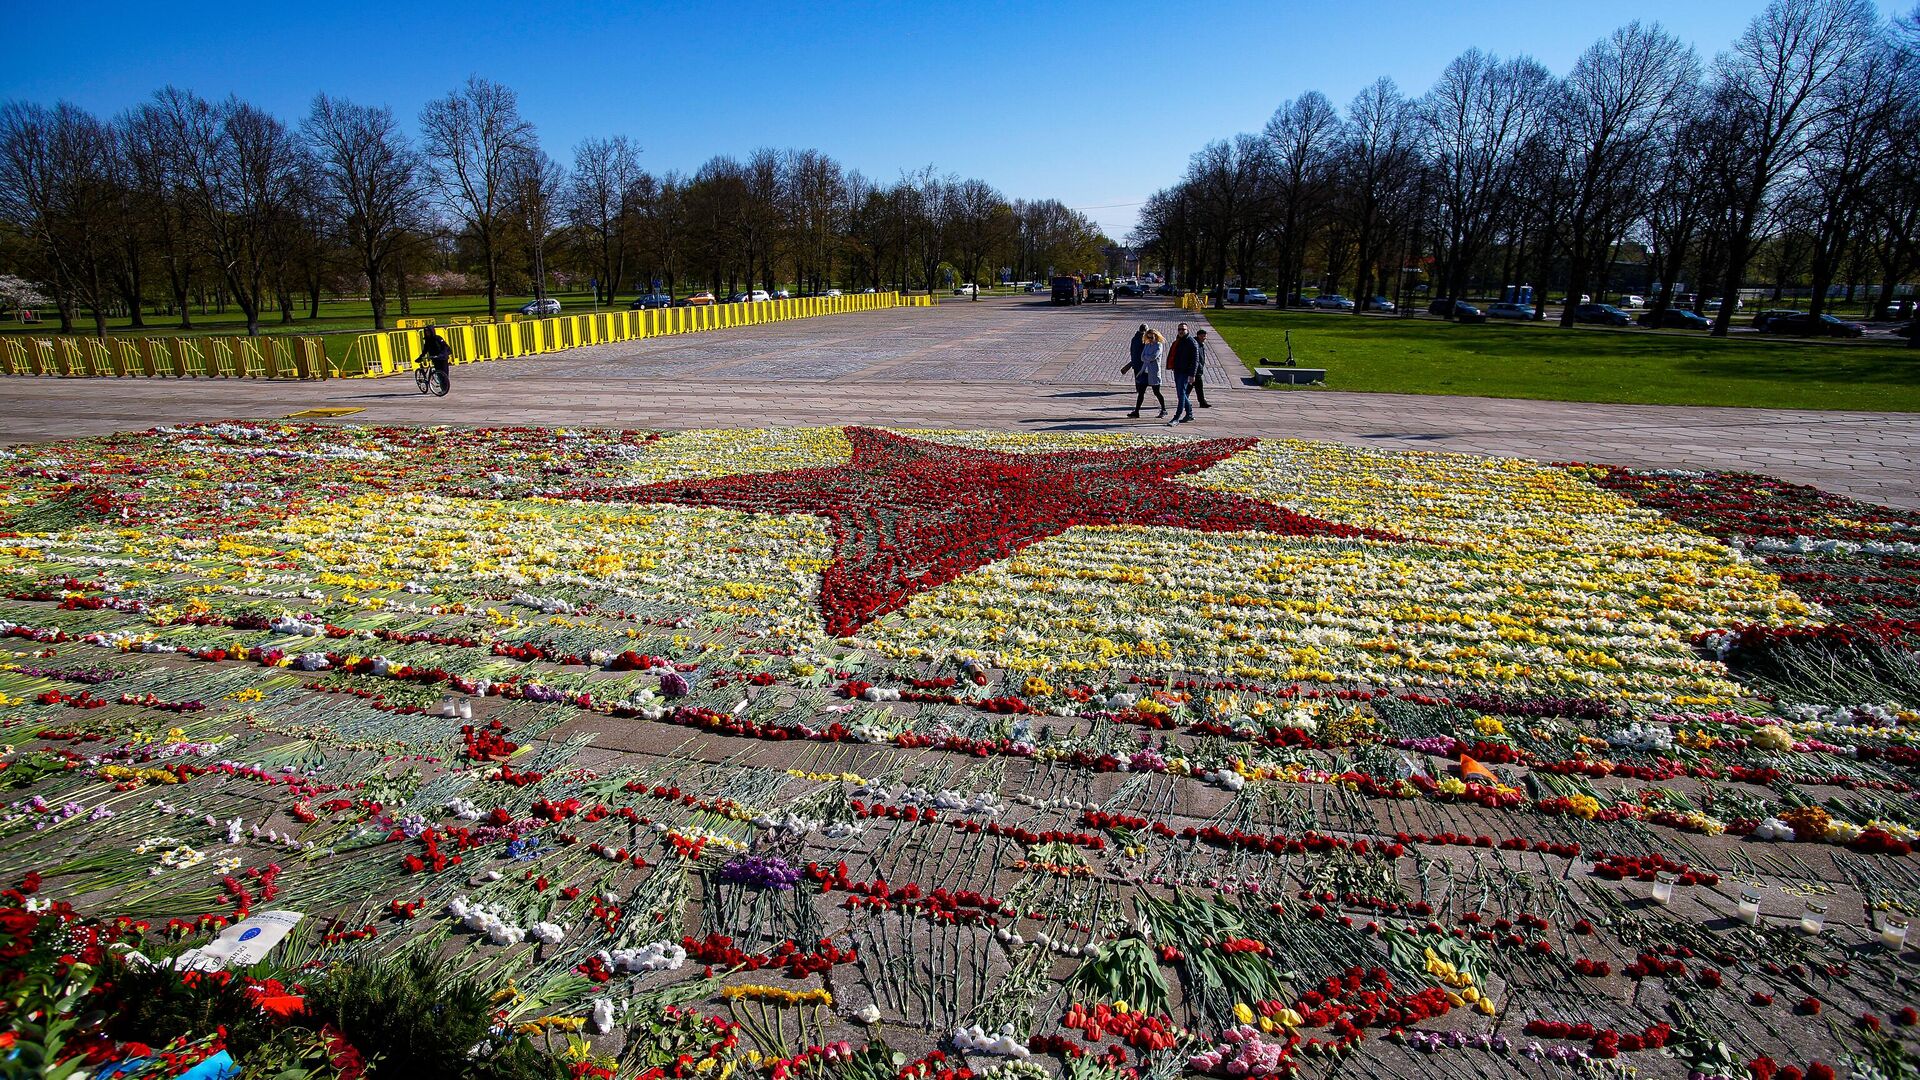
(673,684)
(761,872)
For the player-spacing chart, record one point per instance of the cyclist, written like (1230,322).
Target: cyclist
(435,350)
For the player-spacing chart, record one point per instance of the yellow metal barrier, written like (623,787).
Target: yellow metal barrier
(389,352)
(277,356)
(393,351)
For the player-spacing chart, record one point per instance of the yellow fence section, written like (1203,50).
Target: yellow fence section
(282,356)
(1192,302)
(393,351)
(417,323)
(276,357)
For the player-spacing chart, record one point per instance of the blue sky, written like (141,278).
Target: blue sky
(1097,104)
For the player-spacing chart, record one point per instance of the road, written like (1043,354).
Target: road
(1011,364)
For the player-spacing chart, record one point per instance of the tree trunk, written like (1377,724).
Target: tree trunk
(493,275)
(376,293)
(1739,249)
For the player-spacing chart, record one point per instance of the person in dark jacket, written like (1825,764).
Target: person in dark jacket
(1200,368)
(1182,359)
(439,354)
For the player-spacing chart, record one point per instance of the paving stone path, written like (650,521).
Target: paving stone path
(1006,364)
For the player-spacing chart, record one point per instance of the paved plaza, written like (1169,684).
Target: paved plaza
(1019,365)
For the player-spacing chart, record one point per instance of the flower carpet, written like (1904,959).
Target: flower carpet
(932,755)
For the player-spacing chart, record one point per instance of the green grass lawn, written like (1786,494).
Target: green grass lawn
(1429,356)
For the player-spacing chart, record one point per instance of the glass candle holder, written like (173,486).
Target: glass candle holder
(1814,919)
(1750,906)
(446,706)
(1893,931)
(1663,886)
(466,708)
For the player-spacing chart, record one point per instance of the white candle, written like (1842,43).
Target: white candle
(1663,887)
(1893,932)
(1814,918)
(466,709)
(1750,906)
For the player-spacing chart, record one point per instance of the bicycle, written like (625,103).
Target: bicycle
(427,377)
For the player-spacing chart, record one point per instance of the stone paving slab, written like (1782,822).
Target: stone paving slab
(1011,365)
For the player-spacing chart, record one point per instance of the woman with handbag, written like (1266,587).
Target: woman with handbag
(1146,372)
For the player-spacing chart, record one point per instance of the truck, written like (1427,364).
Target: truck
(1067,289)
(1099,290)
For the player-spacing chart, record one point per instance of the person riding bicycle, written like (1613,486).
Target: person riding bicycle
(435,350)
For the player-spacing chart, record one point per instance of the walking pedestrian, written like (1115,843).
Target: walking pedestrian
(1145,366)
(1200,368)
(1181,358)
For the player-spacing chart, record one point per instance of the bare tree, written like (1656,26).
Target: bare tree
(1304,134)
(1827,196)
(1778,82)
(475,137)
(1623,92)
(241,171)
(370,181)
(1227,179)
(535,187)
(1476,118)
(56,188)
(149,133)
(1376,160)
(600,205)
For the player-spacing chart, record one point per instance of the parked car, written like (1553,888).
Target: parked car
(751,296)
(1333,302)
(546,305)
(1714,304)
(1166,290)
(1381,303)
(969,289)
(1505,310)
(1674,318)
(1760,319)
(1099,290)
(1130,288)
(1602,314)
(1444,306)
(699,299)
(1034,288)
(1906,331)
(1465,312)
(650,301)
(1632,300)
(782,294)
(1822,325)
(1068,289)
